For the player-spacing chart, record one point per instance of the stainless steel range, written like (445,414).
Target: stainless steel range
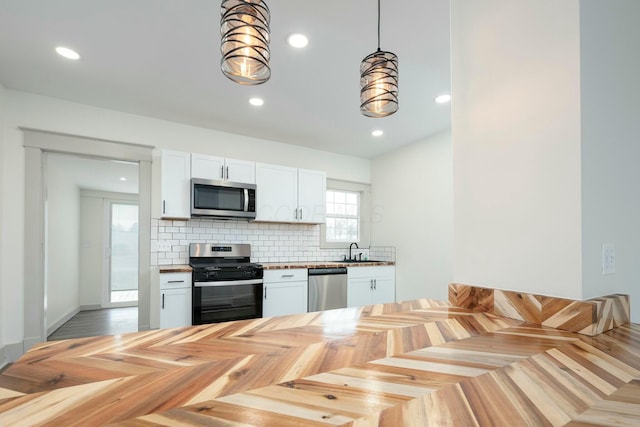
(226,284)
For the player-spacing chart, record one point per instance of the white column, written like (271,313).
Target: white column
(516,144)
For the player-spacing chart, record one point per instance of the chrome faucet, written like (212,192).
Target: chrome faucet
(351,247)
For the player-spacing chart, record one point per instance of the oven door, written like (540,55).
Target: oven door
(222,199)
(224,301)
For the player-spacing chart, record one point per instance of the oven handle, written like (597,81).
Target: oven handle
(228,283)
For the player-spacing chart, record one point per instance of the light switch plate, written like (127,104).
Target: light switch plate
(608,259)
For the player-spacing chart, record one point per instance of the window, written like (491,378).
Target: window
(343,210)
(347,218)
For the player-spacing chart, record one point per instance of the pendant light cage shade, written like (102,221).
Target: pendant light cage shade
(379,84)
(244,27)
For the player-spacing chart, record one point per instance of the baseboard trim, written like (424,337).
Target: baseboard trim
(51,329)
(10,353)
(90,307)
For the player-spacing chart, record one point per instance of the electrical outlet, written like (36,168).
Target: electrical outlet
(164,246)
(608,259)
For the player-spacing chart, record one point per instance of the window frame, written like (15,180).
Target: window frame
(364,214)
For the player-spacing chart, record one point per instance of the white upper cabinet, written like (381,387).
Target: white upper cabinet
(286,194)
(207,167)
(176,185)
(276,193)
(221,169)
(312,189)
(240,171)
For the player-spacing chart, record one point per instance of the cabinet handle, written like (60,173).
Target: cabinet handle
(300,214)
(296,213)
(221,172)
(163,301)
(175,281)
(287,275)
(164,206)
(227,172)
(375,284)
(371,284)
(265,292)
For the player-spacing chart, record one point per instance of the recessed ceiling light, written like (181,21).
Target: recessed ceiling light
(377,132)
(67,53)
(256,101)
(442,99)
(297,40)
(122,178)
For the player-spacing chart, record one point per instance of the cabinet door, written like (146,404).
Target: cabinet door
(176,185)
(240,171)
(312,189)
(276,193)
(175,307)
(207,167)
(359,291)
(384,290)
(283,298)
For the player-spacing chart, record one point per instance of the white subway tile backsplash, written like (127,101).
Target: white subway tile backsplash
(269,242)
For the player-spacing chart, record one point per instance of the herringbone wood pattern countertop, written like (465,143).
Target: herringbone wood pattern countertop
(418,363)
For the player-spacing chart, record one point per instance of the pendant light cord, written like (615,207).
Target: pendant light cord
(378,25)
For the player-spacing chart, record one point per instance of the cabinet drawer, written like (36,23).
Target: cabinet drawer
(382,271)
(285,275)
(175,280)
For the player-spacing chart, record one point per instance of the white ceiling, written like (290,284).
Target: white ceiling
(160,58)
(95,174)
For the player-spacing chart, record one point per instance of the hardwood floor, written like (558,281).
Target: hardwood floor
(416,363)
(90,323)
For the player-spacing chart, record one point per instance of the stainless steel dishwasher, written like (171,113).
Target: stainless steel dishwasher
(327,289)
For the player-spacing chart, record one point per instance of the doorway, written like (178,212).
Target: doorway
(37,144)
(91,235)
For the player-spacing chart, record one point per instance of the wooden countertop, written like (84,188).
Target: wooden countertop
(286,265)
(321,264)
(419,363)
(175,269)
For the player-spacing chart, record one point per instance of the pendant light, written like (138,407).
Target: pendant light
(244,27)
(379,82)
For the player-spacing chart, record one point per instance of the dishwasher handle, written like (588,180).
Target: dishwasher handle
(327,271)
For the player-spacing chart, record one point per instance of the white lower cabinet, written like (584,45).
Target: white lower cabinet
(285,292)
(175,300)
(370,285)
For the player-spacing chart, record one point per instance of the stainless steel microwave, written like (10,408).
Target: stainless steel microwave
(222,199)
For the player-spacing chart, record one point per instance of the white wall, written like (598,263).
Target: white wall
(50,114)
(412,205)
(12,226)
(2,226)
(610,150)
(516,145)
(63,238)
(92,249)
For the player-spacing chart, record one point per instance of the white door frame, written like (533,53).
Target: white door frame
(38,142)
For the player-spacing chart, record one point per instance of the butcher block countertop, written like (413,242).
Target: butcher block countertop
(417,363)
(287,265)
(321,264)
(175,268)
